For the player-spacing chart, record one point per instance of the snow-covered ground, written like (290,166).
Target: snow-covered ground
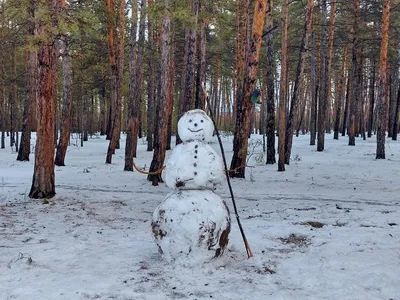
(327,228)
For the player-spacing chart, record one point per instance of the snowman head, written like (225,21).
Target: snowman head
(195,125)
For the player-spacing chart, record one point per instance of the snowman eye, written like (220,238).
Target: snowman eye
(202,121)
(190,120)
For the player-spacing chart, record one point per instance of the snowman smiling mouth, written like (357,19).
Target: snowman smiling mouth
(195,130)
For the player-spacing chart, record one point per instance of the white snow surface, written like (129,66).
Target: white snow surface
(195,125)
(188,225)
(94,241)
(194,165)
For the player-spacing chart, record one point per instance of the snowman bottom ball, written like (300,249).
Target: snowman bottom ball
(193,223)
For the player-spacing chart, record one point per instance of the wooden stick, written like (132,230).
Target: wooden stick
(246,244)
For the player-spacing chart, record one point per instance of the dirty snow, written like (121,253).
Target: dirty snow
(327,228)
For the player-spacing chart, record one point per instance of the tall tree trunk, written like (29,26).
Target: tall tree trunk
(164,101)
(116,56)
(302,109)
(371,99)
(340,94)
(171,90)
(360,93)
(324,77)
(381,84)
(354,76)
(103,114)
(29,108)
(238,52)
(296,89)
(151,86)
(392,101)
(329,63)
(314,85)
(188,88)
(43,182)
(396,116)
(135,84)
(347,107)
(201,64)
(243,117)
(67,104)
(283,88)
(13,95)
(2,78)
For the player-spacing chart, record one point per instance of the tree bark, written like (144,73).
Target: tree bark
(135,84)
(340,89)
(2,78)
(354,81)
(296,89)
(324,77)
(116,57)
(188,87)
(151,86)
(30,103)
(243,117)
(67,104)
(164,101)
(371,100)
(329,63)
(283,88)
(396,117)
(313,87)
(201,63)
(382,84)
(43,182)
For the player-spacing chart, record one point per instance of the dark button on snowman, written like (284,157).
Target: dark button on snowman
(192,220)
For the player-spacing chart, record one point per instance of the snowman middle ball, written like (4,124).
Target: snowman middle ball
(193,165)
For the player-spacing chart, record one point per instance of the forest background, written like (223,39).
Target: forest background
(114,66)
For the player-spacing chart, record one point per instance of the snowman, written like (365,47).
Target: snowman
(192,220)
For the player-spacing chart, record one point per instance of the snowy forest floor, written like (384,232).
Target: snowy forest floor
(326,228)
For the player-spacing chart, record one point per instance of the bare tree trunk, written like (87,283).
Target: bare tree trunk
(243,118)
(313,82)
(382,84)
(188,86)
(30,102)
(43,182)
(347,107)
(67,104)
(201,64)
(13,95)
(296,89)
(371,100)
(116,56)
(340,94)
(171,90)
(302,109)
(283,89)
(2,84)
(354,81)
(329,63)
(163,102)
(323,94)
(392,101)
(135,85)
(103,114)
(151,86)
(396,117)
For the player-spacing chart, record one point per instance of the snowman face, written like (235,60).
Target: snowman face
(195,125)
